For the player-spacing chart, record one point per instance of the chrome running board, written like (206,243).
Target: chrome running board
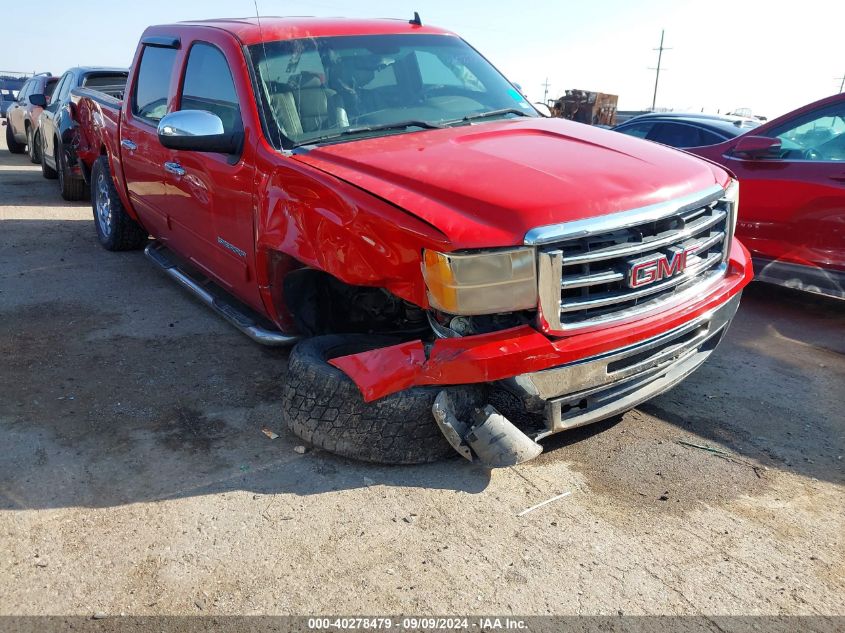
(239,316)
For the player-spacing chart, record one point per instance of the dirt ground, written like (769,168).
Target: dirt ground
(135,478)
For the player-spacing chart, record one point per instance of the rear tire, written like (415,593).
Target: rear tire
(72,188)
(48,172)
(116,230)
(11,143)
(324,407)
(33,141)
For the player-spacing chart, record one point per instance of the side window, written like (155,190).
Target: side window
(67,84)
(56,88)
(816,136)
(53,90)
(706,137)
(149,98)
(640,130)
(674,134)
(24,93)
(208,85)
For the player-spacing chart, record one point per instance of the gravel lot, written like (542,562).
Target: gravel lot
(135,477)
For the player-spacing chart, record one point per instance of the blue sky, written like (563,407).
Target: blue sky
(725,55)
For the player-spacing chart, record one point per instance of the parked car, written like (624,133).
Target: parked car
(682,130)
(22,116)
(56,133)
(9,88)
(377,191)
(7,98)
(792,171)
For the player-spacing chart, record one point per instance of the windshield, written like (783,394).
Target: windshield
(331,88)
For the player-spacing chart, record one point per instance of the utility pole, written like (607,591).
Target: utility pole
(659,60)
(546,91)
(842,82)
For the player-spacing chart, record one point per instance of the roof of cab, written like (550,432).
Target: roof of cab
(250,31)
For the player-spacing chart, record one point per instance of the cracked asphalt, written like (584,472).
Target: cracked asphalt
(135,477)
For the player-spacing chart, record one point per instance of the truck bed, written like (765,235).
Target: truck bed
(97,115)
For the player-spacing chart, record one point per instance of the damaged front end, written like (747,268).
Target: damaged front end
(566,382)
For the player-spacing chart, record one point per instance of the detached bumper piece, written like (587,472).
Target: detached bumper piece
(586,391)
(489,438)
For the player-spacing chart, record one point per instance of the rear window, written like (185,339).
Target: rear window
(109,83)
(150,99)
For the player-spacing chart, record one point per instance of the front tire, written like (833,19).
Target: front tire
(11,143)
(33,141)
(48,172)
(116,230)
(324,407)
(72,188)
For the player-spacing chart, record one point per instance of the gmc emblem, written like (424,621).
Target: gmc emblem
(643,272)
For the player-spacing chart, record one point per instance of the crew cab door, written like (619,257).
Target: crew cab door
(214,192)
(792,207)
(142,155)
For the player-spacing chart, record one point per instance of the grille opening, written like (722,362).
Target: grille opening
(595,268)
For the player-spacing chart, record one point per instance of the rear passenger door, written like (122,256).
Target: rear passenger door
(214,191)
(142,155)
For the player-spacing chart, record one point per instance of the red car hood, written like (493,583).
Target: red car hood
(487,185)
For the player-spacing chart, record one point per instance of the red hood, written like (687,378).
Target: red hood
(487,185)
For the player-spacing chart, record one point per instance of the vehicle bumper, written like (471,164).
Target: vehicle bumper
(602,386)
(679,336)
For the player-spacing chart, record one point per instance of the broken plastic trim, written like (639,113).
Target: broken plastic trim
(489,439)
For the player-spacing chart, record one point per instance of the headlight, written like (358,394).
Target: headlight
(481,283)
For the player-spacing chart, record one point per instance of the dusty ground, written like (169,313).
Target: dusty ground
(134,476)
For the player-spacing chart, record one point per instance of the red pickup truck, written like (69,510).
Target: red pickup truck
(377,192)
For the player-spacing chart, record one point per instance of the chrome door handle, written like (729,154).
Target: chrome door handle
(127,144)
(174,168)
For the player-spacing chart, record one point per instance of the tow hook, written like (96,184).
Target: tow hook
(489,439)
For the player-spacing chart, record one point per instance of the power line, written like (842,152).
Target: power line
(659,60)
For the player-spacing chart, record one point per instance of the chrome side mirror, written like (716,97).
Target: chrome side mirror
(198,131)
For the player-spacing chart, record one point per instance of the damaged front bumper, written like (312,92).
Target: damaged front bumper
(585,391)
(573,380)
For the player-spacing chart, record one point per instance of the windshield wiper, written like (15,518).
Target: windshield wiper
(363,129)
(484,115)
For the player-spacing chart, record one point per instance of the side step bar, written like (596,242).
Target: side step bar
(236,315)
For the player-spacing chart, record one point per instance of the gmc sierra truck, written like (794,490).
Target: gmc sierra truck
(376,192)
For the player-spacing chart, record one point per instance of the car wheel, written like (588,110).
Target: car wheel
(116,230)
(33,141)
(11,143)
(72,188)
(48,172)
(321,405)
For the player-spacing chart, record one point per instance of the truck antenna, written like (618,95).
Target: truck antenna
(258,70)
(416,20)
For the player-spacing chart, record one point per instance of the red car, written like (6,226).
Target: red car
(378,192)
(792,171)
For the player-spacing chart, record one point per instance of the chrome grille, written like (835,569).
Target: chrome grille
(586,267)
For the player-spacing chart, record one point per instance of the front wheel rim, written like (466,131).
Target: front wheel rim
(103,204)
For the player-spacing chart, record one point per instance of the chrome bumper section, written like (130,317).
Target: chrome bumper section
(603,386)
